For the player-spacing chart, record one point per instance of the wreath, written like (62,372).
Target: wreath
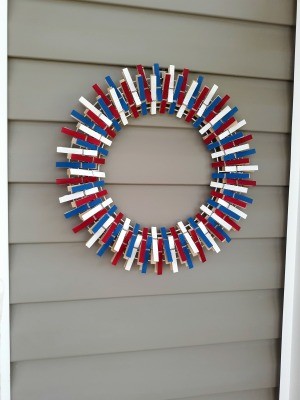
(161,92)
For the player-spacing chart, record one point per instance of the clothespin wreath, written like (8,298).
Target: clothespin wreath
(162,92)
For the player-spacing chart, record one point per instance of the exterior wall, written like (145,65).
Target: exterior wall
(81,329)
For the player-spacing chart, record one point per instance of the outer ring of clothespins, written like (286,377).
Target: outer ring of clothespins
(160,93)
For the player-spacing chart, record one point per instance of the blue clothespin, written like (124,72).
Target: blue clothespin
(103,219)
(166,244)
(109,114)
(196,92)
(112,84)
(158,82)
(147,255)
(219,229)
(198,122)
(238,196)
(199,232)
(225,118)
(132,240)
(142,94)
(85,186)
(232,138)
(76,211)
(90,146)
(87,145)
(230,175)
(239,154)
(82,208)
(67,164)
(246,199)
(213,104)
(106,245)
(185,250)
(176,94)
(81,118)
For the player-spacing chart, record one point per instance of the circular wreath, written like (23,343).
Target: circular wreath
(162,92)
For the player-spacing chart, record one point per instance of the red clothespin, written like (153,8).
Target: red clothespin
(89,198)
(178,245)
(201,253)
(88,159)
(210,227)
(224,126)
(89,221)
(102,125)
(208,139)
(141,256)
(71,132)
(197,103)
(222,103)
(76,181)
(185,74)
(141,72)
(112,227)
(159,264)
(226,218)
(229,199)
(106,100)
(165,92)
(129,98)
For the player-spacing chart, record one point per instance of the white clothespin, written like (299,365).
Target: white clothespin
(186,99)
(174,263)
(232,208)
(171,71)
(247,168)
(86,172)
(155,255)
(94,134)
(235,149)
(122,235)
(89,213)
(214,120)
(188,238)
(232,129)
(95,110)
(215,217)
(77,195)
(75,150)
(234,188)
(131,86)
(115,99)
(209,237)
(153,94)
(100,232)
(217,154)
(207,100)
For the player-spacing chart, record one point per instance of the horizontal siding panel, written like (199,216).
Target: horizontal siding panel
(180,155)
(265,104)
(35,269)
(149,375)
(258,10)
(262,394)
(36,216)
(79,328)
(83,38)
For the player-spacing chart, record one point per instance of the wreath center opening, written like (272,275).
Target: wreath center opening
(158,171)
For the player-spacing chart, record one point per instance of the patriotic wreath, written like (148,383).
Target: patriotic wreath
(162,92)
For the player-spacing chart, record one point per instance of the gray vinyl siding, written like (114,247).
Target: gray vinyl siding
(81,329)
